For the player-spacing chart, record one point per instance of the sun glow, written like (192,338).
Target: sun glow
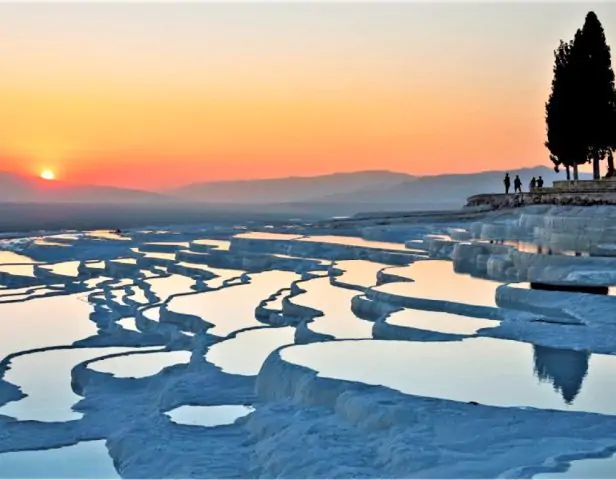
(47,175)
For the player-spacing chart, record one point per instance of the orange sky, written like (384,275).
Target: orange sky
(151,96)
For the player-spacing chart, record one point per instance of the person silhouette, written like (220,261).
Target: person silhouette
(517,184)
(507,182)
(540,182)
(533,183)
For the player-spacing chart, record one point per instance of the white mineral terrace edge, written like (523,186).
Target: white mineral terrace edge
(397,349)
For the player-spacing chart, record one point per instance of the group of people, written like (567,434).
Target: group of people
(517,183)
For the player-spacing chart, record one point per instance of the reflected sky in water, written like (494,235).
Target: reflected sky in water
(42,322)
(435,280)
(587,468)
(245,353)
(84,460)
(208,416)
(359,242)
(45,378)
(484,370)
(361,273)
(140,365)
(335,303)
(233,308)
(439,321)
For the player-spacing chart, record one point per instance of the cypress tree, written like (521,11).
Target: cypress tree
(591,62)
(561,112)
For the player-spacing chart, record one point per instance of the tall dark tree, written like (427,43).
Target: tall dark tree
(592,62)
(581,110)
(563,123)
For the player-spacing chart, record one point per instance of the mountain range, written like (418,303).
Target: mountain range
(382,189)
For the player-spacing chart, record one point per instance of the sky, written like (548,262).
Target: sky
(156,95)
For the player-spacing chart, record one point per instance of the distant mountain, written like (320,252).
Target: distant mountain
(449,189)
(24,189)
(291,189)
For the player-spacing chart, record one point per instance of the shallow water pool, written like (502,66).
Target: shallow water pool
(208,416)
(245,353)
(83,460)
(436,280)
(488,371)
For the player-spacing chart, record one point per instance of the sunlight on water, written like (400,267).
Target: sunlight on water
(43,322)
(433,280)
(244,354)
(359,242)
(439,321)
(69,269)
(140,365)
(21,270)
(233,308)
(208,416)
(268,235)
(359,272)
(217,244)
(489,371)
(335,303)
(83,460)
(45,378)
(7,256)
(164,287)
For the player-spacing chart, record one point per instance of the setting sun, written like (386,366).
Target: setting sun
(47,175)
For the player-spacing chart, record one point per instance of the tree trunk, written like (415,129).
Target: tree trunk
(610,164)
(596,172)
(575,172)
(568,172)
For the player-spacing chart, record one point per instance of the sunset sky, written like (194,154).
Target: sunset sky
(152,95)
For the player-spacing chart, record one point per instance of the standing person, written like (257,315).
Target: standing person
(517,184)
(507,182)
(540,182)
(533,183)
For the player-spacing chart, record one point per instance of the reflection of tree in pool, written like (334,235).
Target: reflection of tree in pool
(565,369)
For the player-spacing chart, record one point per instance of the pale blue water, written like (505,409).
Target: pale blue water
(468,370)
(83,460)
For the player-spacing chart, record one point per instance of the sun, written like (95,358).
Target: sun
(47,175)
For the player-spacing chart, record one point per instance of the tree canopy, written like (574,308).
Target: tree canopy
(581,109)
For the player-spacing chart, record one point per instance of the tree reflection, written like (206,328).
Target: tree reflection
(564,369)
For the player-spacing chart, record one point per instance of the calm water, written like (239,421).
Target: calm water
(84,460)
(361,273)
(244,354)
(141,365)
(164,287)
(233,308)
(526,375)
(45,378)
(217,244)
(335,303)
(42,322)
(432,279)
(588,468)
(128,323)
(439,321)
(206,416)
(359,242)
(21,270)
(69,269)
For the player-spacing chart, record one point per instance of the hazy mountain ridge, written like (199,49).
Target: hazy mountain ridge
(16,188)
(290,189)
(447,188)
(381,188)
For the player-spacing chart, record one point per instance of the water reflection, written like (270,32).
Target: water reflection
(83,460)
(484,370)
(564,369)
(208,416)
